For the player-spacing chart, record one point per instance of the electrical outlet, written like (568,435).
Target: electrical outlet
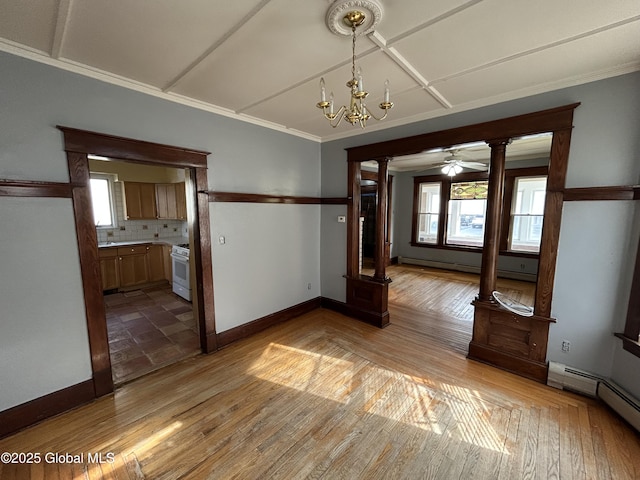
(566,345)
(308,286)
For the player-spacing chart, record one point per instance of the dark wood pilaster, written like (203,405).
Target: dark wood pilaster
(381,219)
(493,217)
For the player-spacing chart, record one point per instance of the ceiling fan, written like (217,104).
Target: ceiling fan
(455,162)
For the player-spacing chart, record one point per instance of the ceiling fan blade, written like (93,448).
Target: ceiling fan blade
(473,164)
(479,167)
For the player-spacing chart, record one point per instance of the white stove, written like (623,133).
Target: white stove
(181,274)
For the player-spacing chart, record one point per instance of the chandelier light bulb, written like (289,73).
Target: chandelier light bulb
(323,92)
(360,82)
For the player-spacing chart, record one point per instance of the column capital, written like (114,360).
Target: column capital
(497,142)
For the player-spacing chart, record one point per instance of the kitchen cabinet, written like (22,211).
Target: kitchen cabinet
(134,265)
(140,200)
(168,264)
(166,200)
(171,201)
(181,201)
(155,262)
(109,268)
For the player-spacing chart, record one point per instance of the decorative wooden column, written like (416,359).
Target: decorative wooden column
(493,219)
(382,199)
(367,296)
(501,338)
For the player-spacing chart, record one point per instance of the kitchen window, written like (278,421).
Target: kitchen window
(102,201)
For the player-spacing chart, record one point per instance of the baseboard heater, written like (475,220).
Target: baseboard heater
(585,383)
(458,267)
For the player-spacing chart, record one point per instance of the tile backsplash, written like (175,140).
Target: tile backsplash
(132,230)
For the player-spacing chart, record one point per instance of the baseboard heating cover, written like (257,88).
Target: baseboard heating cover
(585,383)
(458,267)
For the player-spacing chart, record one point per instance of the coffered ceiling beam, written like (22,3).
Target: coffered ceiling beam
(193,65)
(62,20)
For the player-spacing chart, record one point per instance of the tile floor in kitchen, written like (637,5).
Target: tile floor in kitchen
(148,329)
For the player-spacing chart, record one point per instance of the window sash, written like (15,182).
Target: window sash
(102,201)
(428,214)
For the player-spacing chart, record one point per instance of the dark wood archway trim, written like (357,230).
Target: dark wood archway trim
(83,141)
(538,122)
(531,356)
(78,144)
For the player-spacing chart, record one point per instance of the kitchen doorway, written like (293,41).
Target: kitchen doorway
(143,244)
(78,144)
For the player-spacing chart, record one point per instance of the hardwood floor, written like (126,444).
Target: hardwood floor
(325,396)
(446,292)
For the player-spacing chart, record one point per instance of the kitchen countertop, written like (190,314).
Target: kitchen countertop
(157,241)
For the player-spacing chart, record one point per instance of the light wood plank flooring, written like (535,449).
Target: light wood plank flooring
(446,292)
(325,396)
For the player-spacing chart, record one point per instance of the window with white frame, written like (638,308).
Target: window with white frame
(428,212)
(466,213)
(527,214)
(102,200)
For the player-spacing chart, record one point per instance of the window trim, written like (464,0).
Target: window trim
(630,340)
(417,213)
(445,192)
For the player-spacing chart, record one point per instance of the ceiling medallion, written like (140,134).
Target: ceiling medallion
(370,9)
(353,17)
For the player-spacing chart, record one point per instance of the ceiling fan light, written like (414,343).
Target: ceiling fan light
(457,169)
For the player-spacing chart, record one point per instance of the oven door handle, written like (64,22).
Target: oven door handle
(179,257)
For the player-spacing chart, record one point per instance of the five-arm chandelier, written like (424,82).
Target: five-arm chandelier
(353,14)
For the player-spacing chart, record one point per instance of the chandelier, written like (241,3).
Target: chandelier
(357,112)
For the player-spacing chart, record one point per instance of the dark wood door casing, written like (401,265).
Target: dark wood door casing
(78,144)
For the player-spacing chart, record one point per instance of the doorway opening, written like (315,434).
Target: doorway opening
(143,244)
(78,145)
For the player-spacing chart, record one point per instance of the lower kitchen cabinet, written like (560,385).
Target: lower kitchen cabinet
(168,264)
(156,263)
(133,266)
(109,268)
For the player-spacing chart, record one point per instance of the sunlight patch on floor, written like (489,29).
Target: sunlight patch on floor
(372,390)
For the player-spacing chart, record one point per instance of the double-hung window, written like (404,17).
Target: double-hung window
(428,212)
(527,214)
(459,205)
(466,213)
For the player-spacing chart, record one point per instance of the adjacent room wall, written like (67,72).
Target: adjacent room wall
(43,336)
(597,241)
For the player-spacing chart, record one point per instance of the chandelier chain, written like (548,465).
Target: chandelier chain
(353,49)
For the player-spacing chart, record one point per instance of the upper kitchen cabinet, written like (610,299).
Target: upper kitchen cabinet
(140,200)
(181,201)
(166,200)
(171,201)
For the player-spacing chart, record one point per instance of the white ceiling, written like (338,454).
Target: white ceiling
(261,60)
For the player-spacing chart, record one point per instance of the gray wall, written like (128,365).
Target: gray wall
(597,240)
(43,338)
(272,252)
